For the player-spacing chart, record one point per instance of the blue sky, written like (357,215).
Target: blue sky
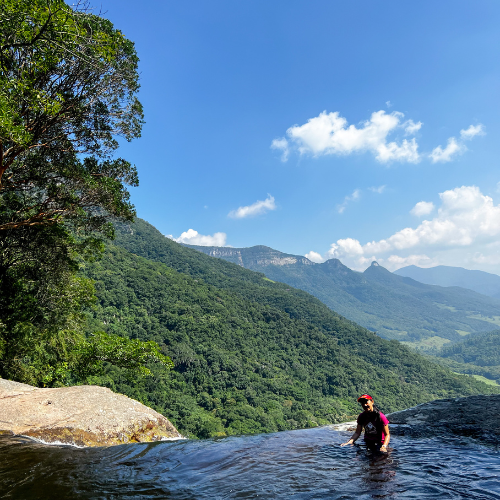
(387,114)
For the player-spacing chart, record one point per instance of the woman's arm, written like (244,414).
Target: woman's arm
(387,438)
(355,436)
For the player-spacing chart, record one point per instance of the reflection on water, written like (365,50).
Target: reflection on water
(306,464)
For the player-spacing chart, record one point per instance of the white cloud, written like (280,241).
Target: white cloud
(257,208)
(314,257)
(379,189)
(282,145)
(356,194)
(330,134)
(464,232)
(422,208)
(453,148)
(395,261)
(411,127)
(192,237)
(347,246)
(472,131)
(489,260)
(388,104)
(408,151)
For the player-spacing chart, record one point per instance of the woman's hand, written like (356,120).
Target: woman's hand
(355,436)
(348,442)
(383,448)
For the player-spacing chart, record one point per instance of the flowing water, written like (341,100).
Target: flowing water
(306,464)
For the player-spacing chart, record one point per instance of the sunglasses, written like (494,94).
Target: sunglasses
(363,401)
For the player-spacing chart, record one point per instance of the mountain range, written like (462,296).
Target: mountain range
(393,306)
(479,281)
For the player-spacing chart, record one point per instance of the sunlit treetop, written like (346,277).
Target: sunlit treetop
(68,90)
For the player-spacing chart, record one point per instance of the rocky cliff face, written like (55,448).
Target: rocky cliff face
(81,415)
(257,256)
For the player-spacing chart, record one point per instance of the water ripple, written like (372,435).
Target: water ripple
(298,465)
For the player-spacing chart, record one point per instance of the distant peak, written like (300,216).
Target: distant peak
(375,263)
(335,262)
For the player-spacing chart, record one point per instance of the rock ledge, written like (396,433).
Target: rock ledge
(83,415)
(474,416)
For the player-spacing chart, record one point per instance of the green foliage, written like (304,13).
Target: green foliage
(68,85)
(41,302)
(131,354)
(481,350)
(42,319)
(249,355)
(476,355)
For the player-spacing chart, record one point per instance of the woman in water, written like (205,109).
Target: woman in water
(375,423)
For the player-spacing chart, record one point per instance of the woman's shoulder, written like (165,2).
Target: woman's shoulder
(384,419)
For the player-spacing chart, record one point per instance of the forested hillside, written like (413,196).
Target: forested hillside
(478,355)
(250,355)
(395,307)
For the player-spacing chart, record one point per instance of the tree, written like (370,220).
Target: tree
(42,300)
(68,90)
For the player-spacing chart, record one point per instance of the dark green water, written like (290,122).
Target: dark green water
(306,464)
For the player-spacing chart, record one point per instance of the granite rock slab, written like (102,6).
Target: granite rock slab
(83,415)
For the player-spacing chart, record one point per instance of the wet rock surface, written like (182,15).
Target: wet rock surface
(81,415)
(474,416)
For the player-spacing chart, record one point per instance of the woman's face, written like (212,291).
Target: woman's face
(367,404)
